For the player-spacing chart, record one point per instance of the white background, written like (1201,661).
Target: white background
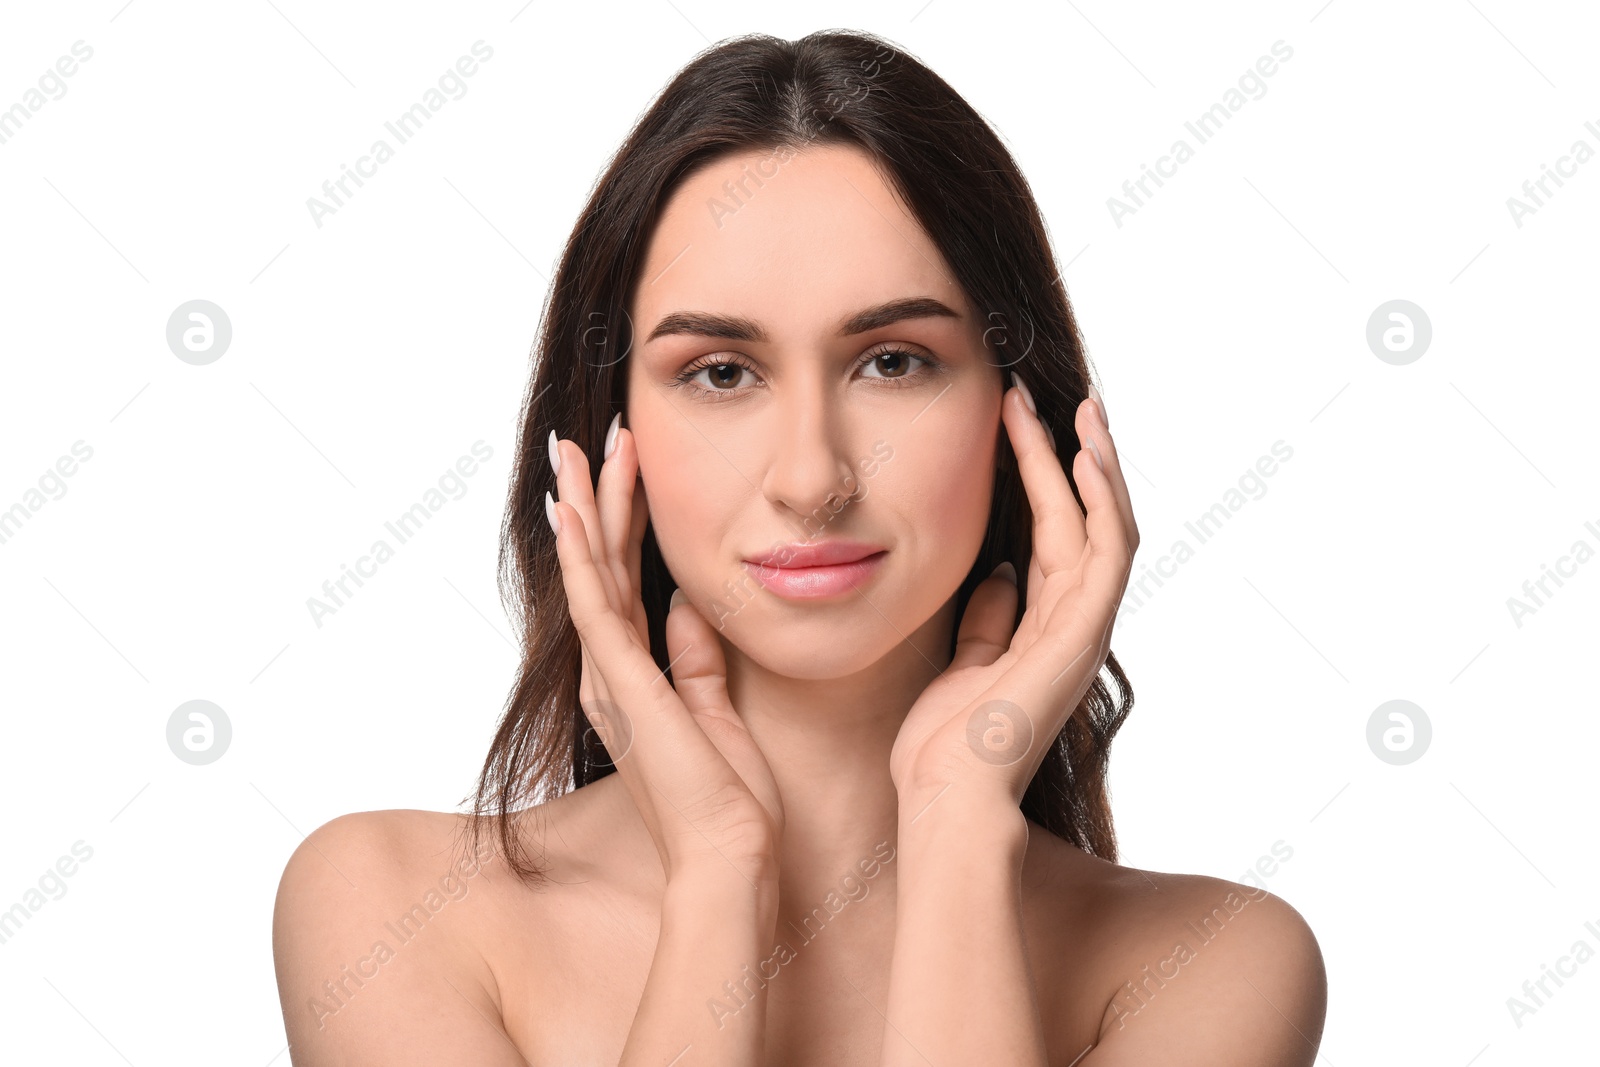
(1226,314)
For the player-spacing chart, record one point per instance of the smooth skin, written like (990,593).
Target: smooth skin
(809,780)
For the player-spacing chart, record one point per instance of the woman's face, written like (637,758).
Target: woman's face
(768,422)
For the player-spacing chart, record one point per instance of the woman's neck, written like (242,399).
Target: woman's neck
(828,742)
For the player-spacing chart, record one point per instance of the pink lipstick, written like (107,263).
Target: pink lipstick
(816,570)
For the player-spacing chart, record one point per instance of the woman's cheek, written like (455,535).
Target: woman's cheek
(956,482)
(666,502)
(691,521)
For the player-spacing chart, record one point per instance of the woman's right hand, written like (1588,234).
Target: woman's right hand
(702,786)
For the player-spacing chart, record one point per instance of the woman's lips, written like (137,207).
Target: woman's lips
(815,583)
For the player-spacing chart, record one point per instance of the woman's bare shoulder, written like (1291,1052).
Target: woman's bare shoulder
(426,864)
(382,840)
(399,934)
(378,913)
(1184,961)
(399,850)
(380,857)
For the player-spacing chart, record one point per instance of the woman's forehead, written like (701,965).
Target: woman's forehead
(760,234)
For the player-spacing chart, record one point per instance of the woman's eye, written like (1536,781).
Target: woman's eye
(723,379)
(894,362)
(720,377)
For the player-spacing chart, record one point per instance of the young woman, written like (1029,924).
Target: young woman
(816,533)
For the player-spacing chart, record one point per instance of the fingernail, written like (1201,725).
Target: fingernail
(611,434)
(1094,450)
(1026,395)
(1006,571)
(550,512)
(1100,403)
(677,598)
(555,454)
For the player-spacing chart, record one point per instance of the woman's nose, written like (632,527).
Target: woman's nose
(809,466)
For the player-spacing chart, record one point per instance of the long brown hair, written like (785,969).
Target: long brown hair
(762,92)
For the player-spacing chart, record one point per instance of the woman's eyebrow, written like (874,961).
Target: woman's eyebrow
(736,328)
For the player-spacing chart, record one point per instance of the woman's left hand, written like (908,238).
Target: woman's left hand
(986,723)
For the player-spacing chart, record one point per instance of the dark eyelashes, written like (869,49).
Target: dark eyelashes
(685,377)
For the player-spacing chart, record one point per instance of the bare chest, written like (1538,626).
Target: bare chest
(569,991)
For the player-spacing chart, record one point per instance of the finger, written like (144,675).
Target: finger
(699,670)
(1049,672)
(596,707)
(638,522)
(589,601)
(986,624)
(641,521)
(575,487)
(1091,425)
(614,499)
(1058,528)
(588,678)
(1109,558)
(700,675)
(607,720)
(664,742)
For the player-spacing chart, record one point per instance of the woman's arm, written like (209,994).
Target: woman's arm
(714,925)
(700,783)
(960,990)
(959,986)
(354,994)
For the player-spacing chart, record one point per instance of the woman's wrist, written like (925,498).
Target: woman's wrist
(726,890)
(936,818)
(717,924)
